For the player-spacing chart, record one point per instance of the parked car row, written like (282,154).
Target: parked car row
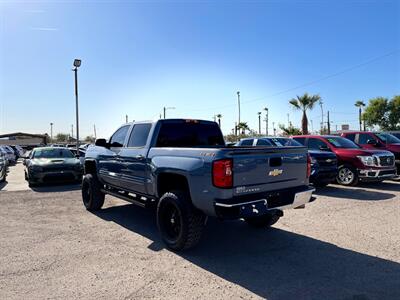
(3,166)
(12,153)
(346,159)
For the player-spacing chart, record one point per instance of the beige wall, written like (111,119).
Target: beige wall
(29,141)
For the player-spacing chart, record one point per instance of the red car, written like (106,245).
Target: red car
(376,140)
(355,163)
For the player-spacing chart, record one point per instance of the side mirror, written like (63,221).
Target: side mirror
(101,143)
(372,142)
(24,162)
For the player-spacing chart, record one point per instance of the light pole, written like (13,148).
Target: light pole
(259,122)
(238,97)
(51,133)
(322,117)
(288,120)
(266,120)
(273,128)
(165,109)
(77,64)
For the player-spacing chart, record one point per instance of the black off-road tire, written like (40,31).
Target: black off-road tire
(179,222)
(264,221)
(92,196)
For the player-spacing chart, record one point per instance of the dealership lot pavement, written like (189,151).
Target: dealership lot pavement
(345,245)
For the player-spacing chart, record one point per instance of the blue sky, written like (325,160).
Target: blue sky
(139,56)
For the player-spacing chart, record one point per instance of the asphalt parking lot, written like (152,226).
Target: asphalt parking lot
(345,245)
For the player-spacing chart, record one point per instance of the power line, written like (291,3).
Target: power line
(312,82)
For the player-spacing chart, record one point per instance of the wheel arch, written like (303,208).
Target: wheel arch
(168,181)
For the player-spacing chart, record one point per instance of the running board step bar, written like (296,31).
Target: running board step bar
(132,198)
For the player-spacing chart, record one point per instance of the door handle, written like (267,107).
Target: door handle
(140,157)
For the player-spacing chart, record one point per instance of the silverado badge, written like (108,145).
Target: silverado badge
(275,172)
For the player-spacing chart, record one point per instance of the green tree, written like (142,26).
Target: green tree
(89,139)
(360,104)
(378,113)
(219,116)
(304,103)
(61,137)
(289,130)
(242,126)
(394,116)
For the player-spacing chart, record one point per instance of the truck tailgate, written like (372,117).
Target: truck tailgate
(255,169)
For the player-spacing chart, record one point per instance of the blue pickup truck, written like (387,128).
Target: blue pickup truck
(185,170)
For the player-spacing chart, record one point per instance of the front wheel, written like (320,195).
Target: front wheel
(92,196)
(347,176)
(179,222)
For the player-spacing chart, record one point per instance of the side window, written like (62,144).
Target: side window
(118,138)
(261,142)
(316,144)
(247,143)
(363,138)
(139,135)
(300,140)
(351,137)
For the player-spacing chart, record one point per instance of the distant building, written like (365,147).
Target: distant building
(23,139)
(345,127)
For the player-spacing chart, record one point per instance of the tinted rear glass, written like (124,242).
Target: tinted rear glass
(189,134)
(388,138)
(280,142)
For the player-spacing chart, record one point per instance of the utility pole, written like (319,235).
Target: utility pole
(273,128)
(72,132)
(77,64)
(238,98)
(322,117)
(126,118)
(165,109)
(236,129)
(94,129)
(266,120)
(259,122)
(51,133)
(329,124)
(288,120)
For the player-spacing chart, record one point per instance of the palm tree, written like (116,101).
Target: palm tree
(304,103)
(243,126)
(360,104)
(219,116)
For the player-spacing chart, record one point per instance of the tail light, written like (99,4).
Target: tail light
(222,173)
(308,165)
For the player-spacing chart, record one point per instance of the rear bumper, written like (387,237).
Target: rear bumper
(271,201)
(377,174)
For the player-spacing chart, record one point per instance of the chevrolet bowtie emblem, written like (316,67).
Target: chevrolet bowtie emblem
(275,172)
